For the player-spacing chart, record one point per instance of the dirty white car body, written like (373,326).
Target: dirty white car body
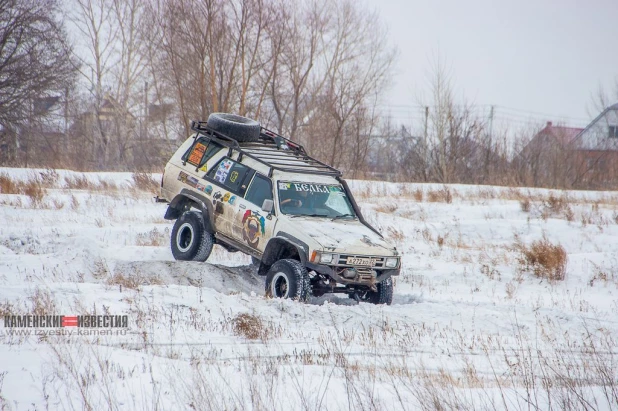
(240,191)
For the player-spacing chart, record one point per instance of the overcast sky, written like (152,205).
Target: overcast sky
(538,56)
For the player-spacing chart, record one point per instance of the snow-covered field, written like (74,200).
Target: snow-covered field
(469,328)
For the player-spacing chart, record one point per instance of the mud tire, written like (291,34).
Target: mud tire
(288,278)
(384,295)
(189,240)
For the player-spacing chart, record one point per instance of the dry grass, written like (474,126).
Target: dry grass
(440,196)
(32,188)
(395,234)
(249,326)
(74,203)
(35,192)
(524,204)
(386,208)
(145,182)
(418,195)
(7,185)
(79,182)
(543,258)
(42,303)
(153,238)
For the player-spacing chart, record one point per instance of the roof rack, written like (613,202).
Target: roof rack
(272,150)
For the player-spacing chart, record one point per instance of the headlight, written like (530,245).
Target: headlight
(326,258)
(391,262)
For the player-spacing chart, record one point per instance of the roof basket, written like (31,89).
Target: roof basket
(272,150)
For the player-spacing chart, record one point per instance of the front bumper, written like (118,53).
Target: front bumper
(362,278)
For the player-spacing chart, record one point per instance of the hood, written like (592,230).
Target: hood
(344,236)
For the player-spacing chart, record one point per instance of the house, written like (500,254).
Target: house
(560,156)
(597,146)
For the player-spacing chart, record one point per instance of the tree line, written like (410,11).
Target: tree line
(114,85)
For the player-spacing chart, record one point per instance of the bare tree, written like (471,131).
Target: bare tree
(113,56)
(35,65)
(356,69)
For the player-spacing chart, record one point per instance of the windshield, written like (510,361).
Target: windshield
(315,200)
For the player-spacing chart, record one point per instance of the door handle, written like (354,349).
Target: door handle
(242,206)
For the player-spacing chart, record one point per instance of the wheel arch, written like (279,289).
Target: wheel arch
(279,248)
(186,200)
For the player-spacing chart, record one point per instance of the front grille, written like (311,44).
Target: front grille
(342,261)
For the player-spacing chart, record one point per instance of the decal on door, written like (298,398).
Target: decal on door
(252,227)
(187,179)
(217,203)
(205,188)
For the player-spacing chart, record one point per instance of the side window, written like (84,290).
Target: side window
(259,190)
(201,151)
(232,175)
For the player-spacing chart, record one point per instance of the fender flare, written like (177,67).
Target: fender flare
(279,247)
(184,200)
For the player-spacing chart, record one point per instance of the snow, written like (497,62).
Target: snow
(464,316)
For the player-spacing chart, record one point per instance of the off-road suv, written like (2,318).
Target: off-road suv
(246,188)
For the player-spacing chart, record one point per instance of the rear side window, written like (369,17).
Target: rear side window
(201,151)
(232,175)
(259,190)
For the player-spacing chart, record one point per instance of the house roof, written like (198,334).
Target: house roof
(562,135)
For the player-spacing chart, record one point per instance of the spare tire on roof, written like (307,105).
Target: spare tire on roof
(241,129)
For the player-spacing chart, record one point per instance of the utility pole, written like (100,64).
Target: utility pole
(491,121)
(426,121)
(426,146)
(146,109)
(66,117)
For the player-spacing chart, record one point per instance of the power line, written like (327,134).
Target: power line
(486,108)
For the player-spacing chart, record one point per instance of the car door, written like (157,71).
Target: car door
(230,180)
(253,226)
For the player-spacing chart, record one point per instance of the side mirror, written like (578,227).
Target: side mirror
(267,205)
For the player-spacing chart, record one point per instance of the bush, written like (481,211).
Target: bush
(249,326)
(544,259)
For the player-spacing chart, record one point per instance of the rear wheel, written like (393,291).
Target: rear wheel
(189,240)
(288,279)
(384,295)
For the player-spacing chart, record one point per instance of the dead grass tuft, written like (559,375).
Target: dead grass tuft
(79,182)
(543,258)
(74,203)
(6,308)
(152,238)
(418,195)
(386,208)
(440,196)
(49,178)
(35,192)
(42,303)
(145,182)
(395,234)
(127,281)
(249,326)
(524,203)
(7,185)
(105,185)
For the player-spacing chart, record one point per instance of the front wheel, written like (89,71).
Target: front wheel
(288,279)
(189,240)
(384,295)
